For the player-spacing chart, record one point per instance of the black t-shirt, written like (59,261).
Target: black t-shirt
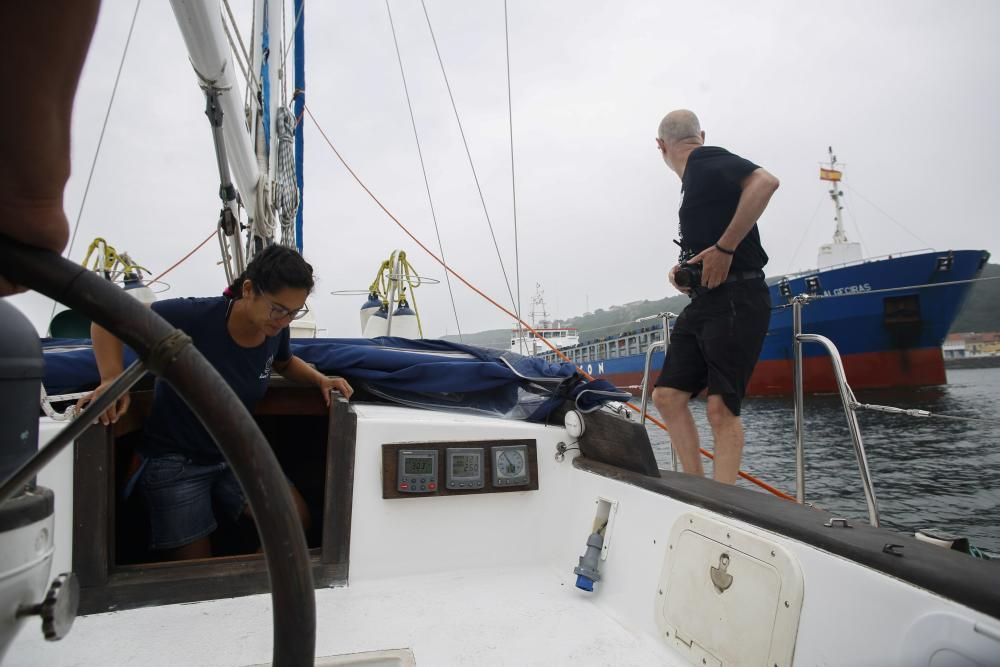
(172,428)
(710,191)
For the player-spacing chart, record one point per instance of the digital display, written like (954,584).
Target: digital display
(465,465)
(418,465)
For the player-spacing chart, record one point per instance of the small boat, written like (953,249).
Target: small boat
(531,341)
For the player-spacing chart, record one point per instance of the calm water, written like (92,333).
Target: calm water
(927,473)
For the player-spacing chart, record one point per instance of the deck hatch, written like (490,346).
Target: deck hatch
(727,596)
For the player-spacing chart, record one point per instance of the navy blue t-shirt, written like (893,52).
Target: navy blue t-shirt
(172,428)
(711,190)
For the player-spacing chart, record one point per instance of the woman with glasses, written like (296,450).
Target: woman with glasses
(244,335)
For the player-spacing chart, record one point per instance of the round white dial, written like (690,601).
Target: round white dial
(574,423)
(510,463)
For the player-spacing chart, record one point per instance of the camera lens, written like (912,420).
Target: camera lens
(683,278)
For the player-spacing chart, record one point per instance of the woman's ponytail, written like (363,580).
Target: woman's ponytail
(274,268)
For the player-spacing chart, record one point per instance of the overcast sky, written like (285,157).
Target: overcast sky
(907,93)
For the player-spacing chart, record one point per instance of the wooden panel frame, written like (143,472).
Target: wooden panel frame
(614,440)
(106,586)
(390,467)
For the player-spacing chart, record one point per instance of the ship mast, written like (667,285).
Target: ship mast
(538,307)
(832,174)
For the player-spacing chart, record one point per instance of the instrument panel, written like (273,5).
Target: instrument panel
(454,468)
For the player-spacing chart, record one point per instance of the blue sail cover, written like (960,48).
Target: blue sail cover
(421,373)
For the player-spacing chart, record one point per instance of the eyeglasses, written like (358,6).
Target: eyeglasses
(279,312)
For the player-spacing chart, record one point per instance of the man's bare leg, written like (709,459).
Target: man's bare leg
(727,429)
(673,406)
(50,40)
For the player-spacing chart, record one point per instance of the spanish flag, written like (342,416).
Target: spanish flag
(829,174)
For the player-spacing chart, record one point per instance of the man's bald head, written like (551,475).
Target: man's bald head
(679,125)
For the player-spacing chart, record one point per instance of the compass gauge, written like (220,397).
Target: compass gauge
(510,465)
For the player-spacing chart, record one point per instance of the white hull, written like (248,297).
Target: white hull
(488,580)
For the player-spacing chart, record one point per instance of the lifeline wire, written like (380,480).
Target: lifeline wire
(920,413)
(423,169)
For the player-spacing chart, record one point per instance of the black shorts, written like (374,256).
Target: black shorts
(716,341)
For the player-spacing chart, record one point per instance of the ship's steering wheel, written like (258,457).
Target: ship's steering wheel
(169,354)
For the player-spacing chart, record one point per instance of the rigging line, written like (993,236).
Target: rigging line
(243,49)
(430,200)
(248,73)
(469,155)
(802,239)
(877,208)
(185,257)
(281,66)
(104,127)
(857,228)
(298,17)
(747,476)
(100,142)
(236,52)
(513,182)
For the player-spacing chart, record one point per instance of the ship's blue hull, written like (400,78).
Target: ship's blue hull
(887,338)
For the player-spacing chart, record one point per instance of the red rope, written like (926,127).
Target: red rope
(744,475)
(184,258)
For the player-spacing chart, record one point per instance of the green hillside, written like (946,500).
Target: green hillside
(981,312)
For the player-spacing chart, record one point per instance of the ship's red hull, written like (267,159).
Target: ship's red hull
(866,370)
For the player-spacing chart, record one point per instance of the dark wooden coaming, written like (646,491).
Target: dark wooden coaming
(286,412)
(615,440)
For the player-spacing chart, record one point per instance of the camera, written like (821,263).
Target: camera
(688,276)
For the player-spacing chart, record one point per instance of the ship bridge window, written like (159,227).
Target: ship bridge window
(111,557)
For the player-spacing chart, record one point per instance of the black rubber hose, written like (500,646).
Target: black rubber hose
(222,413)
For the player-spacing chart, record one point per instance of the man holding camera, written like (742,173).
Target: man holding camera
(718,337)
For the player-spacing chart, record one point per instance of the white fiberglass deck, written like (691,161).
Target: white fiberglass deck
(499,617)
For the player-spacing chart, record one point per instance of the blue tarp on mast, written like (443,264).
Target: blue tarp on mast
(265,45)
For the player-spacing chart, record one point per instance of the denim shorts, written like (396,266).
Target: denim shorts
(180,495)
